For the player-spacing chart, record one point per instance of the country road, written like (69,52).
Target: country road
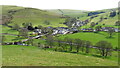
(24,39)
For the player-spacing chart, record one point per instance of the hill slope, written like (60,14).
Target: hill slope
(70,12)
(38,17)
(32,15)
(32,56)
(103,19)
(100,16)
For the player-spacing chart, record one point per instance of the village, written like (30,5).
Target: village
(55,31)
(74,29)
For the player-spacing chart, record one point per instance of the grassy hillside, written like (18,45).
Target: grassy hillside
(6,8)
(94,37)
(83,15)
(106,19)
(70,12)
(32,56)
(35,16)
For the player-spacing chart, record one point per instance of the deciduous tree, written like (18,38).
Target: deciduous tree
(16,27)
(23,32)
(78,43)
(110,32)
(104,47)
(117,23)
(98,28)
(87,46)
(92,24)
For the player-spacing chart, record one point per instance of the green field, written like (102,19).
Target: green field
(32,56)
(94,37)
(9,38)
(6,29)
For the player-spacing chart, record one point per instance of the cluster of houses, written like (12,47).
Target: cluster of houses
(37,31)
(102,29)
(79,23)
(65,30)
(58,30)
(107,28)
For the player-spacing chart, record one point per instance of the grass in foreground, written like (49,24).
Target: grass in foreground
(14,55)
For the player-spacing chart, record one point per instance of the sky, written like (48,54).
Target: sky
(89,5)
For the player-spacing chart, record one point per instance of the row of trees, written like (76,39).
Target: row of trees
(67,44)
